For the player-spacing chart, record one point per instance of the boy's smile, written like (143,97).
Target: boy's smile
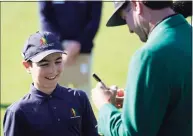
(51,78)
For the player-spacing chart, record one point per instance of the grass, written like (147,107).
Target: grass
(113,49)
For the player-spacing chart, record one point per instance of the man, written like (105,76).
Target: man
(76,24)
(158,96)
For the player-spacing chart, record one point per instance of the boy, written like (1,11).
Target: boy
(48,109)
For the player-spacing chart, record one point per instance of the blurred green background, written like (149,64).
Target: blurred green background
(112,53)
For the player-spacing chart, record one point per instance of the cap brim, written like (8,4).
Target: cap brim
(115,19)
(42,55)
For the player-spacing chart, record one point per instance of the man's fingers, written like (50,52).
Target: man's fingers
(119,98)
(99,85)
(102,88)
(113,87)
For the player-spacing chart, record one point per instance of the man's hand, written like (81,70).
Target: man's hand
(119,98)
(101,96)
(119,102)
(73,50)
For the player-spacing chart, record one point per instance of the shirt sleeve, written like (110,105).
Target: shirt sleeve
(14,124)
(94,17)
(89,123)
(145,103)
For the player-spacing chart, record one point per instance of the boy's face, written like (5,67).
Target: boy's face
(46,73)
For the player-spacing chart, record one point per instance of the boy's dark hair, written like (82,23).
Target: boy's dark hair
(156,5)
(183,7)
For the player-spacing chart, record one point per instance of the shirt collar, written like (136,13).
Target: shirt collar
(43,96)
(167,22)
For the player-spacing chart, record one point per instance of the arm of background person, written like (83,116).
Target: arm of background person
(94,17)
(47,18)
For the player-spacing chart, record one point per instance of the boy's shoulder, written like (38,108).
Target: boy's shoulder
(28,101)
(73,92)
(21,104)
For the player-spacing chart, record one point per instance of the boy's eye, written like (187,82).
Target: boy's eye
(58,62)
(44,64)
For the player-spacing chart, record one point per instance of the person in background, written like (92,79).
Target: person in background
(76,23)
(158,96)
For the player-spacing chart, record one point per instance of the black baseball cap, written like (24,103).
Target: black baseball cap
(116,20)
(40,45)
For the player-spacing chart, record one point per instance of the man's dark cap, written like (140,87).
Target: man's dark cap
(116,20)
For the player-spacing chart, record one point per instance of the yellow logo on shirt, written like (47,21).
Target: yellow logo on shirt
(73,112)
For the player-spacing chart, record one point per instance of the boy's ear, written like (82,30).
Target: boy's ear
(27,65)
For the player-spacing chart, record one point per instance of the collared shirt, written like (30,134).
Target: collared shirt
(65,112)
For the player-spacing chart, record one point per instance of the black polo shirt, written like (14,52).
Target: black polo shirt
(65,112)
